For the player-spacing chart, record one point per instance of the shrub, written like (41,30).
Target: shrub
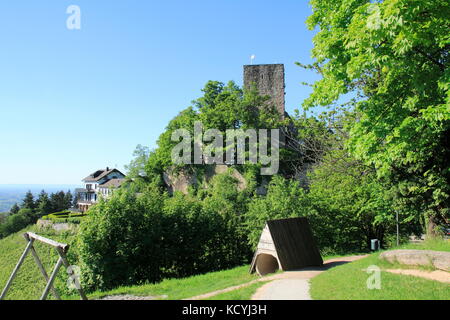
(14,223)
(65,217)
(284,199)
(119,241)
(134,239)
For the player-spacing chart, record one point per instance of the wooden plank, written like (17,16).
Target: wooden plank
(52,279)
(294,243)
(13,274)
(50,242)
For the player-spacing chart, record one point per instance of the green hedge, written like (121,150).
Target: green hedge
(133,239)
(65,217)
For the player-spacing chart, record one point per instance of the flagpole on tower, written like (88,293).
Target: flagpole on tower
(252,57)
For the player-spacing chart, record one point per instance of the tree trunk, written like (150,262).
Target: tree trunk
(432,225)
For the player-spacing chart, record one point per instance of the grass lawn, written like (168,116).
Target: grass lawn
(176,289)
(29,282)
(240,294)
(349,281)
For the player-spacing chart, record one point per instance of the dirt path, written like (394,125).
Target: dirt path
(288,281)
(437,275)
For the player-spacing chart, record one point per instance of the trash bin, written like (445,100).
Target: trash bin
(374,244)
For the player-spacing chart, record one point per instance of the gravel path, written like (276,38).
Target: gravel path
(285,289)
(294,285)
(289,285)
(131,297)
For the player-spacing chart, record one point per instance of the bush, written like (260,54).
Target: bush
(135,239)
(120,241)
(284,199)
(65,217)
(14,223)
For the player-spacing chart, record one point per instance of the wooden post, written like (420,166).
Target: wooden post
(61,248)
(13,274)
(41,268)
(398,233)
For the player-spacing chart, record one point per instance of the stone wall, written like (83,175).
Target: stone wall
(269,79)
(57,226)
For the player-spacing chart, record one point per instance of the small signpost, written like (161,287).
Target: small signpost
(61,249)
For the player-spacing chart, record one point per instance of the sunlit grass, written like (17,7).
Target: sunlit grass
(349,281)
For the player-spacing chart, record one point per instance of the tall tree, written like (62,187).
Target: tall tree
(28,201)
(68,199)
(392,56)
(136,168)
(14,209)
(58,201)
(44,205)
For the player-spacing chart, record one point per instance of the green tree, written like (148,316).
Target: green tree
(68,199)
(44,205)
(392,57)
(28,201)
(285,199)
(15,223)
(14,209)
(59,201)
(136,168)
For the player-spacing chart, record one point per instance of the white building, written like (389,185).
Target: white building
(101,182)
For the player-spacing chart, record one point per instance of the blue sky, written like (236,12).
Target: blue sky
(74,101)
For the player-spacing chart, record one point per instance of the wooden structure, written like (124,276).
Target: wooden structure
(61,249)
(286,244)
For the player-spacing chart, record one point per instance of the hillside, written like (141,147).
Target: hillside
(29,283)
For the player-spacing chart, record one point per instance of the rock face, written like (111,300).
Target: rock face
(181,180)
(437,259)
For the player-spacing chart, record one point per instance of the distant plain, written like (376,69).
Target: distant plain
(14,193)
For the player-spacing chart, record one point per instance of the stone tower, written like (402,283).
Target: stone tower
(269,80)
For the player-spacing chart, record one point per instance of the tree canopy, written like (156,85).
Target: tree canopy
(391,58)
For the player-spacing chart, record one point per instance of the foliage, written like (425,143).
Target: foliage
(136,168)
(284,199)
(133,239)
(32,210)
(28,201)
(392,56)
(222,107)
(14,209)
(349,205)
(65,216)
(14,223)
